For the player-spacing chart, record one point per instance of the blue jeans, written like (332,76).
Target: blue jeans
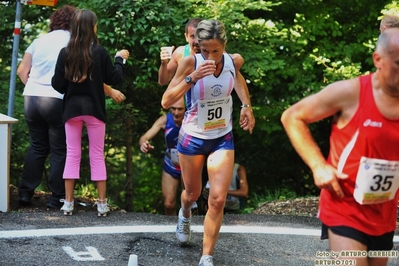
(43,116)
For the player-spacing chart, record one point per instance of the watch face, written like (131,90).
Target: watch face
(188,79)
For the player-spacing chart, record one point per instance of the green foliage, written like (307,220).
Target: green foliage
(266,196)
(147,184)
(291,50)
(278,194)
(88,191)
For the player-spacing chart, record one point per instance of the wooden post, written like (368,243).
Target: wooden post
(5,147)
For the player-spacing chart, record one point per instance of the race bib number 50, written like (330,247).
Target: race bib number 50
(214,114)
(377,181)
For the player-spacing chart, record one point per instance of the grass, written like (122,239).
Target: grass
(252,203)
(255,199)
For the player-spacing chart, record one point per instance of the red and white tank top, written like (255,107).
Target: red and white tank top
(367,150)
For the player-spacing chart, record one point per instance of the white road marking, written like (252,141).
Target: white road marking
(91,254)
(158,229)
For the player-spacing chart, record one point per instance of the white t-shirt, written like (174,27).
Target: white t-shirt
(44,51)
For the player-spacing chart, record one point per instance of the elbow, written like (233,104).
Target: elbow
(169,97)
(56,86)
(22,76)
(165,104)
(19,73)
(118,81)
(284,117)
(161,82)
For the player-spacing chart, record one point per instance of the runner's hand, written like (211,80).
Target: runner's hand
(247,119)
(146,146)
(327,177)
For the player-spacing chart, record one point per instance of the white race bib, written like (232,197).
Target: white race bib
(174,156)
(214,114)
(377,181)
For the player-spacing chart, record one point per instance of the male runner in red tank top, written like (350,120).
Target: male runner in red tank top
(359,181)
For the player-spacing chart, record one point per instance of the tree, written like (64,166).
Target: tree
(291,49)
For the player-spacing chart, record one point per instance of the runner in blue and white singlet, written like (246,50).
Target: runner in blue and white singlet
(209,104)
(207,80)
(171,159)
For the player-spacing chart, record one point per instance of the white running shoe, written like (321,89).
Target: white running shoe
(68,207)
(102,207)
(183,232)
(206,260)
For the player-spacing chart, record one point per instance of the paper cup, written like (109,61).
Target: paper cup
(210,60)
(167,49)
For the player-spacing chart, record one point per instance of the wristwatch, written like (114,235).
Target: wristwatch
(189,80)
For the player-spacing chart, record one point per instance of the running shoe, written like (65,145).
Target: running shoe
(206,260)
(183,232)
(68,207)
(102,207)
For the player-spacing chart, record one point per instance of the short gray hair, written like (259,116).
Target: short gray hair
(385,43)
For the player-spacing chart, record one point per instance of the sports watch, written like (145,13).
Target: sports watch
(189,80)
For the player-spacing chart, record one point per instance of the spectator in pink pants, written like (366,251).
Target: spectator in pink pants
(82,68)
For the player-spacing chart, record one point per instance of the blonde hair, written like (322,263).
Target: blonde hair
(211,29)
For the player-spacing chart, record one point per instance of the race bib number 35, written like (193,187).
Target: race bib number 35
(377,181)
(214,114)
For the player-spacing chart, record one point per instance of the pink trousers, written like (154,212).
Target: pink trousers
(96,132)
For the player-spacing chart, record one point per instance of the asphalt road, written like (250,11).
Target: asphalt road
(49,238)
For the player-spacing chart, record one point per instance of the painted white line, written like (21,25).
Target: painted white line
(73,231)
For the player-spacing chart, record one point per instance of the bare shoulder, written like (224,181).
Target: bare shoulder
(186,64)
(344,88)
(345,95)
(178,53)
(338,97)
(238,60)
(342,96)
(179,49)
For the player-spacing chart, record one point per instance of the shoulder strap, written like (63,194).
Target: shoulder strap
(186,50)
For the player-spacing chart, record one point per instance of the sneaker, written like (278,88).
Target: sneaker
(54,203)
(54,206)
(183,232)
(206,260)
(102,208)
(24,201)
(68,207)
